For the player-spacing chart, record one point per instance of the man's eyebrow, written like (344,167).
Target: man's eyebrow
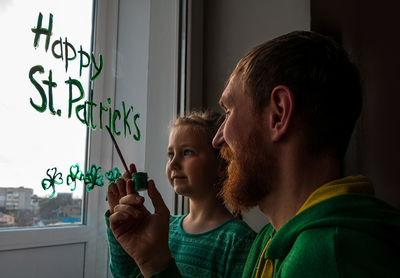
(225,101)
(221,103)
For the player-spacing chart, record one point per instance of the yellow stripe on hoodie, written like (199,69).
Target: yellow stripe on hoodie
(353,184)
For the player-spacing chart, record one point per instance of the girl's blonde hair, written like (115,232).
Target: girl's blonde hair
(207,122)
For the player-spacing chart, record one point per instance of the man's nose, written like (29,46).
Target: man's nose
(218,139)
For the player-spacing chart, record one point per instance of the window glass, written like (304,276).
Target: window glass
(42,139)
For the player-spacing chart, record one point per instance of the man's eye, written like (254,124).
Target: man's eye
(187,152)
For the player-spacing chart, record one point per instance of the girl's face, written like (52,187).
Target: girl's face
(192,167)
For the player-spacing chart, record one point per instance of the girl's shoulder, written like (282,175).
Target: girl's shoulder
(238,227)
(233,228)
(175,222)
(235,233)
(176,218)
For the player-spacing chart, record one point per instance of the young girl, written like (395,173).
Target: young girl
(209,241)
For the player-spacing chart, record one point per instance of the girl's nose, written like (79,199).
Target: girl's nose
(175,163)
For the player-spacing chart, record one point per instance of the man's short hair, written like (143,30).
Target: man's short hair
(323,80)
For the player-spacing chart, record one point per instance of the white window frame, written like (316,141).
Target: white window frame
(162,77)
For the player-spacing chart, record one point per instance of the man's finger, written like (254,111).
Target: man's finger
(156,199)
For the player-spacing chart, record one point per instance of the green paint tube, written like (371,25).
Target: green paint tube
(140,181)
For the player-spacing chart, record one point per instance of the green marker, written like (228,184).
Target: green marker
(140,181)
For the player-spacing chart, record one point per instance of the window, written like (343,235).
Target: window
(40,140)
(139,43)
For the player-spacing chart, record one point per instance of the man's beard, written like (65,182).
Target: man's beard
(250,175)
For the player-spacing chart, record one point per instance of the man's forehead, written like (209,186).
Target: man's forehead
(228,95)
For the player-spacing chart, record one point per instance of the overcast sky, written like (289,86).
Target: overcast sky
(32,142)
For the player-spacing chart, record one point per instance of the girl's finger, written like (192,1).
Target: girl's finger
(130,187)
(136,201)
(121,184)
(132,168)
(132,200)
(113,189)
(130,210)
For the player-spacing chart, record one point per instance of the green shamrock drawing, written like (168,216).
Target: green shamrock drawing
(93,177)
(54,178)
(113,175)
(74,175)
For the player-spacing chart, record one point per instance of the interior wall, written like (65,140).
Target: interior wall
(231,28)
(368,30)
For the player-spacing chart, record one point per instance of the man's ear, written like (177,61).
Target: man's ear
(281,111)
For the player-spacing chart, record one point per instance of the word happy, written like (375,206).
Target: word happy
(86,111)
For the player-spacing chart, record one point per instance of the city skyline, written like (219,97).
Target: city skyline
(20,208)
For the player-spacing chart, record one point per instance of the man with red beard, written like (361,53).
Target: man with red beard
(291,105)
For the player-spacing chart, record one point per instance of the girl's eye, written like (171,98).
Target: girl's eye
(187,152)
(170,155)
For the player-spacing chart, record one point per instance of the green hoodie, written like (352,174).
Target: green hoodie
(335,234)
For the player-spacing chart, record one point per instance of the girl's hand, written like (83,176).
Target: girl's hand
(118,189)
(144,236)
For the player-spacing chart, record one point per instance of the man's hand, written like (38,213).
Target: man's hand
(143,235)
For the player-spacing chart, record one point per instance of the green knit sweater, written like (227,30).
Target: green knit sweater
(220,252)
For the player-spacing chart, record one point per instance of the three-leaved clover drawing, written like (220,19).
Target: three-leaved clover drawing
(93,177)
(113,175)
(54,178)
(74,174)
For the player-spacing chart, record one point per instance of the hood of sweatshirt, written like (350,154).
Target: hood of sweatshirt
(344,203)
